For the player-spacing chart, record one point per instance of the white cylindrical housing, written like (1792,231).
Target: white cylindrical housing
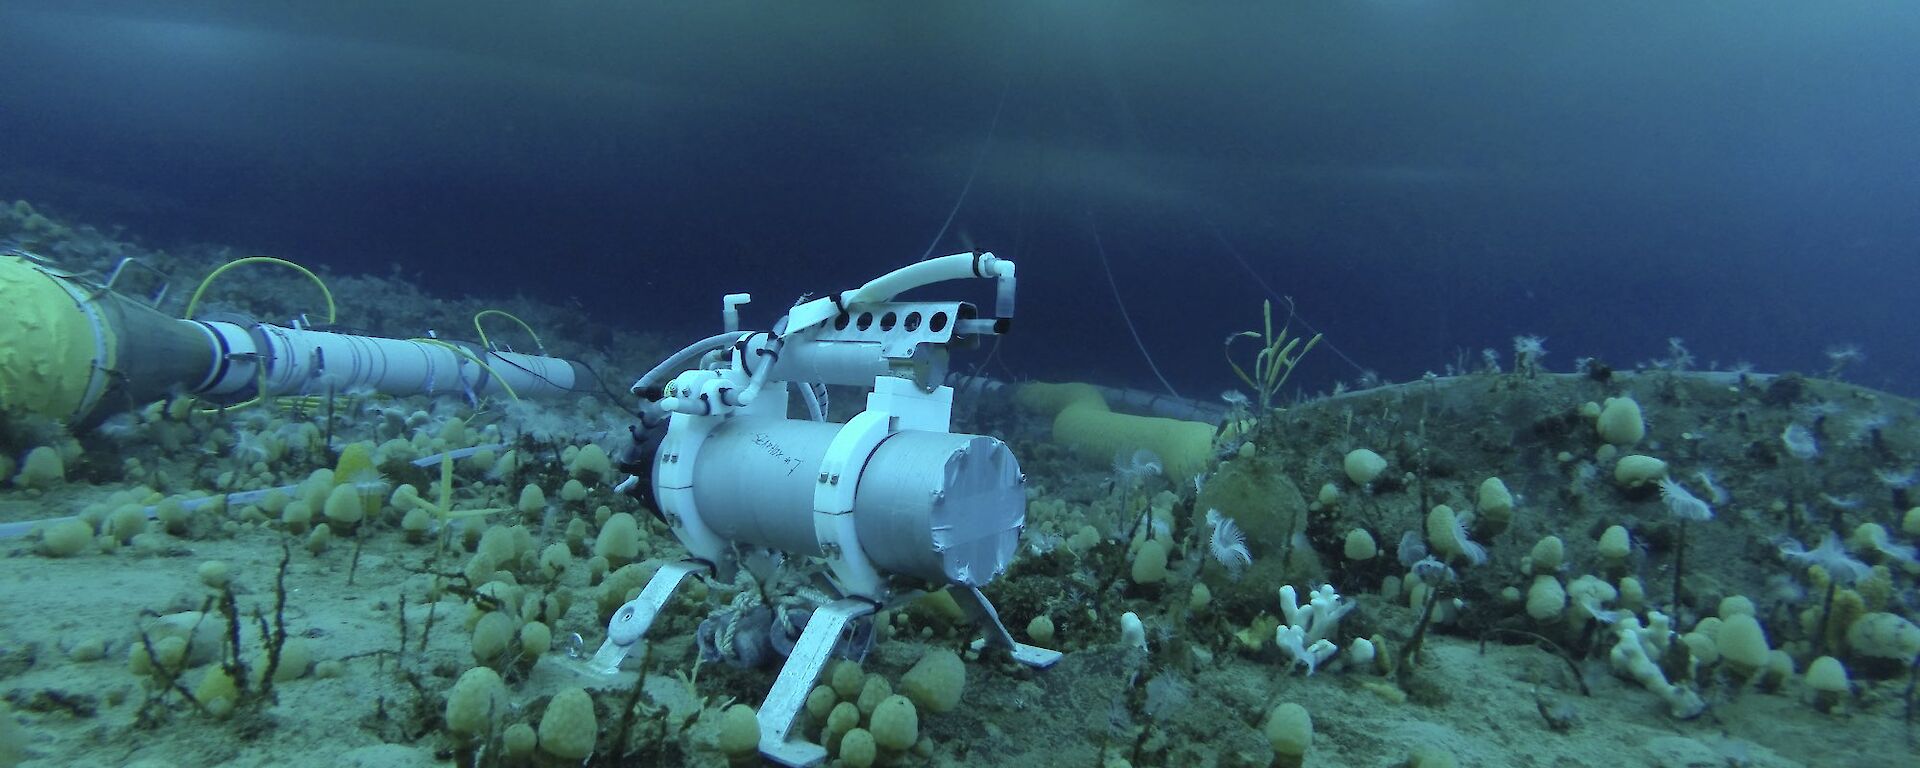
(753,481)
(839,362)
(937,506)
(943,507)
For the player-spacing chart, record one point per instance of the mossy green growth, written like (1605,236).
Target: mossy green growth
(1256,493)
(533,501)
(875,691)
(416,524)
(844,717)
(173,516)
(535,639)
(846,678)
(857,749)
(518,741)
(128,521)
(358,479)
(619,540)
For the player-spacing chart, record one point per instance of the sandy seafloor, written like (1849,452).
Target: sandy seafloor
(1197,698)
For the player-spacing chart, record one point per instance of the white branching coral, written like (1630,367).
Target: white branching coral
(1228,544)
(1304,636)
(1634,651)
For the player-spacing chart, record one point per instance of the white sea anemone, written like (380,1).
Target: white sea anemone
(1228,544)
(1830,555)
(1682,504)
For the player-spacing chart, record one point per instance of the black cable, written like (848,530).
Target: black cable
(601,383)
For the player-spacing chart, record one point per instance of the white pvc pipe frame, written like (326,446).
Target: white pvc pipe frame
(298,360)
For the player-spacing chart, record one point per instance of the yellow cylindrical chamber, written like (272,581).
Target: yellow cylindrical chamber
(67,345)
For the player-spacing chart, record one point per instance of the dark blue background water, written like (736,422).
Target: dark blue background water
(1422,177)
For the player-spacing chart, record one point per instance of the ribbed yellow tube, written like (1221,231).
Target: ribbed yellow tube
(1082,421)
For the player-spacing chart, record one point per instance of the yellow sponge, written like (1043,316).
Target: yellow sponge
(935,682)
(476,703)
(568,728)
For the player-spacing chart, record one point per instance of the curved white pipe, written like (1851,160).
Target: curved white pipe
(885,287)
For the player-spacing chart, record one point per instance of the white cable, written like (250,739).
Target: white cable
(978,157)
(1100,249)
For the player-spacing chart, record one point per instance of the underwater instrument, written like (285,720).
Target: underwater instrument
(889,503)
(78,349)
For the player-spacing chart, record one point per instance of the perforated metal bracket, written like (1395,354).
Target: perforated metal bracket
(789,693)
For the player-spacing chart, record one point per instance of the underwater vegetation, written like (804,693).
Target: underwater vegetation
(1493,567)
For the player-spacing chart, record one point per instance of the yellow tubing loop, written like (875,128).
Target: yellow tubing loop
(194,302)
(484,342)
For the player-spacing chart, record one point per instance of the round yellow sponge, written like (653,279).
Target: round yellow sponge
(857,749)
(43,468)
(1743,643)
(66,538)
(935,682)
(568,728)
(895,724)
(739,731)
(477,701)
(1290,732)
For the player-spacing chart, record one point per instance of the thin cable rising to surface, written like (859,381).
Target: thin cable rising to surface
(1124,315)
(978,158)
